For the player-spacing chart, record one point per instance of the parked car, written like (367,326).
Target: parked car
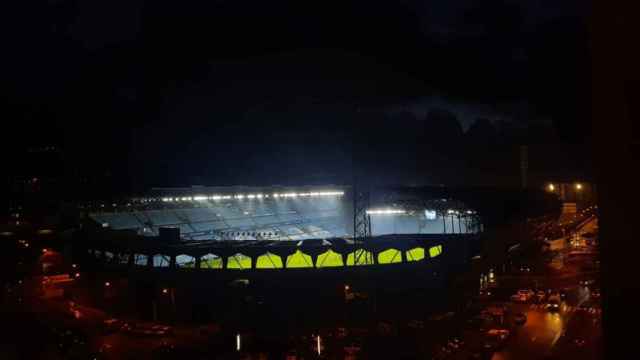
(588,282)
(496,338)
(455,343)
(579,342)
(563,294)
(484,294)
(111,325)
(524,295)
(520,318)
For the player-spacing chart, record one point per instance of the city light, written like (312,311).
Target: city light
(578,186)
(77,275)
(385,211)
(551,187)
(107,284)
(44,251)
(238,342)
(165,291)
(346,287)
(318,345)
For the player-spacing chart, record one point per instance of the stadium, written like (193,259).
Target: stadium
(267,228)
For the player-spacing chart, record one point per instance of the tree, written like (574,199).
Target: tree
(481,131)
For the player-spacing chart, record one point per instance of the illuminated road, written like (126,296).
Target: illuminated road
(543,329)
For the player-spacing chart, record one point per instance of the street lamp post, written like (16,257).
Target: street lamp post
(578,188)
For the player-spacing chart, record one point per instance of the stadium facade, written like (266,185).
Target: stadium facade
(262,228)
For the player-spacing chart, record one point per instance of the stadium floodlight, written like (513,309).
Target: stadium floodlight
(333,193)
(244,196)
(385,211)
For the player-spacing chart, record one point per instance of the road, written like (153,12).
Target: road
(571,331)
(544,329)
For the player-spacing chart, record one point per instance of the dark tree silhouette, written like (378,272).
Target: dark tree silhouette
(441,127)
(481,131)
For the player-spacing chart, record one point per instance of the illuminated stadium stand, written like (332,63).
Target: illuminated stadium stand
(287,216)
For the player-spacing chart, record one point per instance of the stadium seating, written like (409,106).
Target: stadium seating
(275,219)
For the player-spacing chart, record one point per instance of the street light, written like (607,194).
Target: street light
(551,187)
(107,284)
(578,186)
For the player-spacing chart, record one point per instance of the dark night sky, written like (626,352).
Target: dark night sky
(224,92)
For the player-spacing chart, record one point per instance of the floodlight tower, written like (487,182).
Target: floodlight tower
(361,219)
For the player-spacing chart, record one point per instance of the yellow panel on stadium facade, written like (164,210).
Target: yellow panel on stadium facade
(239,262)
(211,261)
(435,251)
(299,260)
(269,261)
(415,254)
(329,258)
(390,256)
